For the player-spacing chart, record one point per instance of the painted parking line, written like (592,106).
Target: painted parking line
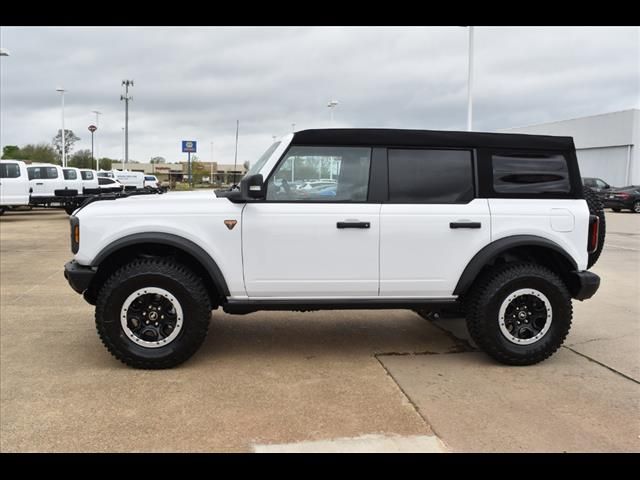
(622,248)
(362,444)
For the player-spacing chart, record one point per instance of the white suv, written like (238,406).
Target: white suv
(496,227)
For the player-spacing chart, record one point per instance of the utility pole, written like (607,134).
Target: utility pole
(64,149)
(97,152)
(470,82)
(235,162)
(126,99)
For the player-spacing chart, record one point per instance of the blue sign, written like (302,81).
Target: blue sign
(188,146)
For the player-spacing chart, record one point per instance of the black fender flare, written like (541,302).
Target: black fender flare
(491,251)
(171,240)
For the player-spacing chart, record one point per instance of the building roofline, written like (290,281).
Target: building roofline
(571,119)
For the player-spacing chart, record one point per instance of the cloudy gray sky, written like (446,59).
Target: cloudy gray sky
(194,83)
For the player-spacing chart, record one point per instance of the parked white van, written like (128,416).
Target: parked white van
(73,179)
(89,181)
(45,179)
(14,184)
(130,180)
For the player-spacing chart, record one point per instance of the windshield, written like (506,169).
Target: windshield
(256,167)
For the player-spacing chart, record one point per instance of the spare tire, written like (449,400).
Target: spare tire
(595,208)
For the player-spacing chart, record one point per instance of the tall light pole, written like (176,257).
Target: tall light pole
(211,177)
(122,148)
(126,99)
(332,104)
(64,149)
(470,83)
(293,128)
(97,125)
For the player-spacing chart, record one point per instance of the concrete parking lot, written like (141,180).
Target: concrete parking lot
(319,381)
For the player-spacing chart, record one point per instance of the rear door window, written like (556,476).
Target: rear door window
(9,170)
(430,176)
(70,174)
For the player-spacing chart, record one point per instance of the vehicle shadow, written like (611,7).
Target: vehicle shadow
(327,333)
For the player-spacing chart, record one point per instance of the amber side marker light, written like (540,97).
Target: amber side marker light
(76,234)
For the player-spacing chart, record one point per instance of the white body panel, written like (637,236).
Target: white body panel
(125,177)
(151,181)
(15,190)
(93,182)
(46,187)
(296,250)
(195,216)
(420,254)
(73,184)
(565,222)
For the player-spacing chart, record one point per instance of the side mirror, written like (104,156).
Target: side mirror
(252,187)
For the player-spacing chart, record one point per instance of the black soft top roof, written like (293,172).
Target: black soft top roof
(428,138)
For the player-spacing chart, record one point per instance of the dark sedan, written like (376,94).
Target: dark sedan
(623,198)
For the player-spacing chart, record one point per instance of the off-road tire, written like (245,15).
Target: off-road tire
(171,276)
(492,288)
(596,208)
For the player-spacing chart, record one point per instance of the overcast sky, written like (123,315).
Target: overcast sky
(194,83)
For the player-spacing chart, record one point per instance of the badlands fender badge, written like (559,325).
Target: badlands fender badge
(230,224)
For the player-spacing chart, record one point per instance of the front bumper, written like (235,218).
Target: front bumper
(78,276)
(584,284)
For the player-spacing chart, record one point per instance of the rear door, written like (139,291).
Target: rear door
(432,224)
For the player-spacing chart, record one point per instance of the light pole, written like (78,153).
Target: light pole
(64,149)
(211,177)
(126,99)
(332,104)
(97,125)
(470,82)
(123,148)
(293,128)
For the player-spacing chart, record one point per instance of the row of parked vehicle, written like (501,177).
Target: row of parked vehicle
(615,198)
(49,185)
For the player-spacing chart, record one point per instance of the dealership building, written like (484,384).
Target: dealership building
(607,145)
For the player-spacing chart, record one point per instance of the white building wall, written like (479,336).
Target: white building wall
(607,145)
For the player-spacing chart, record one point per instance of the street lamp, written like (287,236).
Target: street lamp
(126,99)
(97,125)
(293,128)
(332,104)
(64,149)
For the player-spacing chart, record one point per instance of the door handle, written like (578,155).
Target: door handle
(353,224)
(465,225)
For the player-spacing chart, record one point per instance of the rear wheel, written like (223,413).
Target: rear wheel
(519,314)
(596,208)
(153,313)
(636,206)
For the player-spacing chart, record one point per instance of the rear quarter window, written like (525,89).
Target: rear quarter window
(530,173)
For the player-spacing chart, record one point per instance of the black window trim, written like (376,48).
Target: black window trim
(474,175)
(485,174)
(315,202)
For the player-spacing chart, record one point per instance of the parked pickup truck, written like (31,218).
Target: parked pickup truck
(495,227)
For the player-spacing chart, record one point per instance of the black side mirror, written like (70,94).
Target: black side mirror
(252,187)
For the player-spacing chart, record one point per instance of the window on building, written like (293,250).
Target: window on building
(530,173)
(430,176)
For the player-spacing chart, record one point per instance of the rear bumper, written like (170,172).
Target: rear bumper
(78,276)
(584,284)
(612,203)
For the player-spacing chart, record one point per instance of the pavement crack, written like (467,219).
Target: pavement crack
(602,365)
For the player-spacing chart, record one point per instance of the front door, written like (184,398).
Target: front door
(315,242)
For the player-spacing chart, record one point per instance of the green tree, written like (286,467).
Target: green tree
(11,152)
(106,163)
(41,152)
(158,160)
(82,159)
(69,139)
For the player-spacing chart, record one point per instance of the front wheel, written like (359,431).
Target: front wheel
(153,313)
(519,314)
(636,206)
